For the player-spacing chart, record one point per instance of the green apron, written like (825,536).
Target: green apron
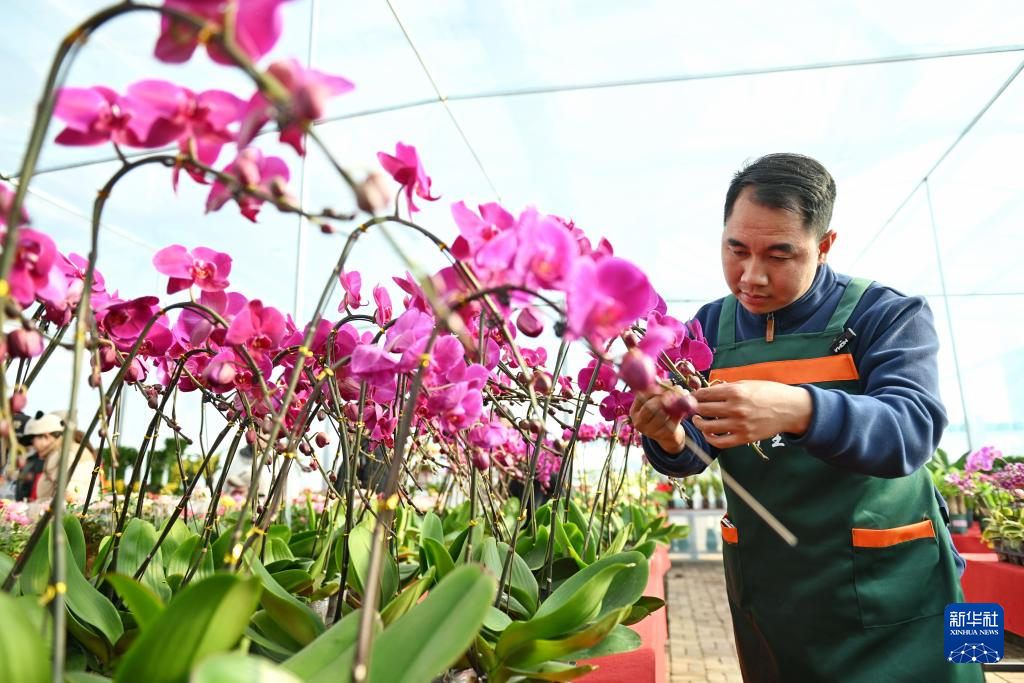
(861,597)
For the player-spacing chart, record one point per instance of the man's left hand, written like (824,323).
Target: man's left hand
(737,413)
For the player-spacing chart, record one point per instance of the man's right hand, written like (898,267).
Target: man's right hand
(650,416)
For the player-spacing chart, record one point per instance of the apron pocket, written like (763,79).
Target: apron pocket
(894,572)
(731,559)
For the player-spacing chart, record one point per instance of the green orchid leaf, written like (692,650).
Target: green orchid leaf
(432,636)
(138,540)
(328,659)
(290,613)
(642,608)
(404,601)
(437,557)
(431,527)
(24,656)
(621,639)
(142,602)
(536,652)
(360,543)
(295,581)
(206,617)
(76,540)
(239,668)
(574,604)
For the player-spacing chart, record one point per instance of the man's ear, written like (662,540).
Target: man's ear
(825,245)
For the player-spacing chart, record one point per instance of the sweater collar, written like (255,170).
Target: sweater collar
(800,311)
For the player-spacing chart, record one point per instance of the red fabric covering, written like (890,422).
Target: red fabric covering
(970,542)
(648,663)
(987,580)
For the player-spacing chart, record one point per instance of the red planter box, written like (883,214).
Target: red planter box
(988,580)
(970,542)
(648,663)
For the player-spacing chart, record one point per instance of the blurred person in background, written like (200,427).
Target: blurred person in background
(47,434)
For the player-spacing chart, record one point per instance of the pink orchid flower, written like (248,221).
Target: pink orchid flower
(6,200)
(547,251)
(475,231)
(257,327)
(605,377)
(257,29)
(616,405)
(309,90)
(351,284)
(605,297)
(250,169)
(203,267)
(194,328)
(405,167)
(384,310)
(98,114)
(124,322)
(30,273)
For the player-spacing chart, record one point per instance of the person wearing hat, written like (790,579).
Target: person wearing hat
(29,464)
(47,434)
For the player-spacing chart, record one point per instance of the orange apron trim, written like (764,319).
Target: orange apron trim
(730,534)
(883,538)
(807,371)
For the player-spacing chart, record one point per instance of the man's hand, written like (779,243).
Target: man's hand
(651,417)
(738,413)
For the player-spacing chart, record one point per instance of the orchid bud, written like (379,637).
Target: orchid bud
(693,382)
(637,370)
(541,381)
(332,477)
(267,424)
(321,415)
(629,339)
(314,465)
(686,368)
(18,400)
(22,343)
(679,405)
(305,448)
(230,414)
(250,436)
(322,439)
(5,429)
(136,372)
(94,380)
(528,323)
(481,460)
(373,194)
(108,357)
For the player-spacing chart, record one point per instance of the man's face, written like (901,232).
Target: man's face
(768,257)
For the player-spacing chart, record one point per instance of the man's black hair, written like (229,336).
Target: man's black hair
(788,181)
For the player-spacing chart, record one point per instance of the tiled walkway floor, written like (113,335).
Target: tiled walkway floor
(701,645)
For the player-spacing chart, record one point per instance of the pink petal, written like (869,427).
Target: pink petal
(173,261)
(79,107)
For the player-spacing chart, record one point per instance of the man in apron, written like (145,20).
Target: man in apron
(837,379)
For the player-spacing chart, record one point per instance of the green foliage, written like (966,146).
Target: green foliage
(205,618)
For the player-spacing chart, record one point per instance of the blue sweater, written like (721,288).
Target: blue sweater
(890,429)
